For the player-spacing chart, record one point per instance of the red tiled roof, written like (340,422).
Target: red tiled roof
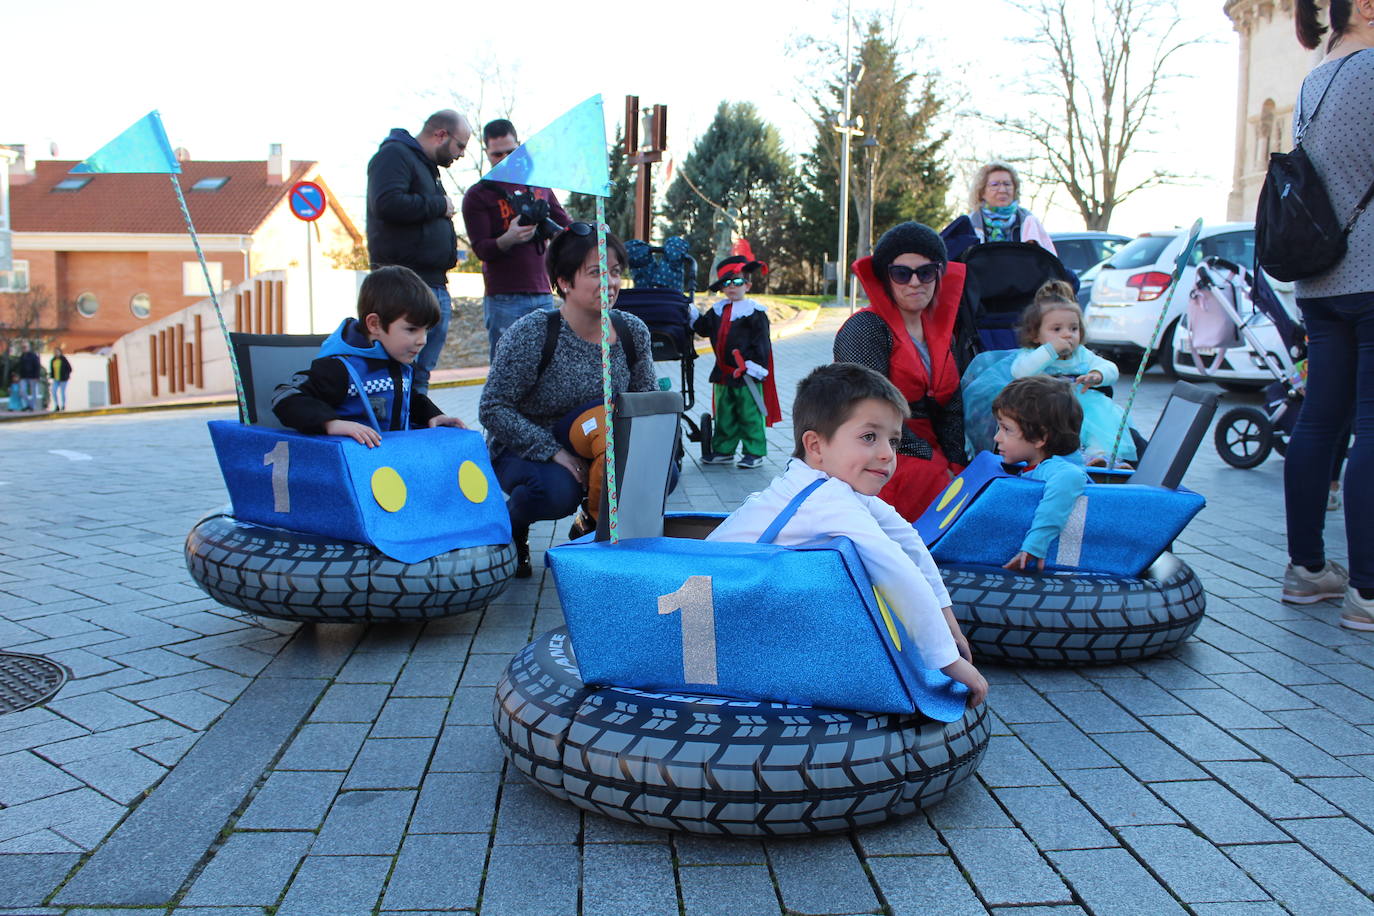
(147,203)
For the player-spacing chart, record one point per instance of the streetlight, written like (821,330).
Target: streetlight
(870,148)
(847,128)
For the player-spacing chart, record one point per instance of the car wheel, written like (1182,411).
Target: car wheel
(1244,437)
(1165,354)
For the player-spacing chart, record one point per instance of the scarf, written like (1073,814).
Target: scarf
(998,222)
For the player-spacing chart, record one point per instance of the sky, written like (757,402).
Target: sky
(331,81)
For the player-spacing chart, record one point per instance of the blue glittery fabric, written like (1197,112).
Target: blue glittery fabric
(324,484)
(765,622)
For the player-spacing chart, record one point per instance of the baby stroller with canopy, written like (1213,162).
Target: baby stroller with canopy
(1001,280)
(662,297)
(1245,435)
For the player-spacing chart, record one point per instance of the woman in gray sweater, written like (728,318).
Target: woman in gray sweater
(522,407)
(1338,309)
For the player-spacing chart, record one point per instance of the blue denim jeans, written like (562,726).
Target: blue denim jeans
(434,343)
(59,395)
(537,489)
(1340,384)
(503,310)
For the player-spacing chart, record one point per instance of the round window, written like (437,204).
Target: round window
(141,305)
(87,304)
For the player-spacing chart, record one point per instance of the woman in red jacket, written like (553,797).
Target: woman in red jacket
(905,333)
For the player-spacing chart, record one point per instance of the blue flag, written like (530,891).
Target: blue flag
(570,154)
(142,148)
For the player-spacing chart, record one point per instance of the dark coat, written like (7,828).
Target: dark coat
(406,223)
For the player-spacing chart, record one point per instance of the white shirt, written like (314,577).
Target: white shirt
(897,561)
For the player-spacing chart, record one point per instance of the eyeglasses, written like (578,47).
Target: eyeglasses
(901,274)
(1000,185)
(734,281)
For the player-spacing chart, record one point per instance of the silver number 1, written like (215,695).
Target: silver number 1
(698,628)
(280,460)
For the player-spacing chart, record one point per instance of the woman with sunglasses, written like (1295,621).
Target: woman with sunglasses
(905,333)
(532,392)
(995,211)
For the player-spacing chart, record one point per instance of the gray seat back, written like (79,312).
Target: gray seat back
(646,441)
(266,361)
(1181,428)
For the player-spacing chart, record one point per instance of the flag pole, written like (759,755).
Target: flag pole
(214,299)
(607,394)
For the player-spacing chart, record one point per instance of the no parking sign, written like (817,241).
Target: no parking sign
(307,200)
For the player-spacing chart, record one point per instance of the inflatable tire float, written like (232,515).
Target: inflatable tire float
(1075,618)
(721,767)
(296,576)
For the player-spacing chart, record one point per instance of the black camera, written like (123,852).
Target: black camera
(533,211)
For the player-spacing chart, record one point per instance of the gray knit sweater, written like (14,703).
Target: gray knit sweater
(1340,143)
(519,411)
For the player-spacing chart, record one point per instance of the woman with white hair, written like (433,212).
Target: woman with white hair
(994,211)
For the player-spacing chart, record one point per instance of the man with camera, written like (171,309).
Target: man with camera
(410,218)
(508,226)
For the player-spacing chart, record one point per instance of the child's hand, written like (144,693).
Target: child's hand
(365,435)
(1062,347)
(964,672)
(1088,380)
(960,640)
(446,420)
(1023,562)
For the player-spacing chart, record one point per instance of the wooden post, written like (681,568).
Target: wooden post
(656,143)
(200,355)
(112,378)
(152,365)
(180,350)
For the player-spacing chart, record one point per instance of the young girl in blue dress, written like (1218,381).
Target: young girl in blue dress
(1051,336)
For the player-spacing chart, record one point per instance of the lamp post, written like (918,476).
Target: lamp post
(846,129)
(870,148)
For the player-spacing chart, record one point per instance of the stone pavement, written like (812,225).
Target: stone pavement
(204,761)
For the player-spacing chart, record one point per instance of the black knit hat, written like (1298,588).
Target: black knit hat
(908,238)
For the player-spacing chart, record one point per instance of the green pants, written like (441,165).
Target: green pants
(737,421)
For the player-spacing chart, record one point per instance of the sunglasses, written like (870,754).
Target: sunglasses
(580,229)
(901,274)
(734,281)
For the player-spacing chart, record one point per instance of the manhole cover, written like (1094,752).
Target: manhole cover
(27,680)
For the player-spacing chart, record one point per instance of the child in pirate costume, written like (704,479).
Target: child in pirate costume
(745,396)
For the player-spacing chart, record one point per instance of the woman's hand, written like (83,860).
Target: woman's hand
(365,435)
(446,420)
(1024,562)
(1088,380)
(573,464)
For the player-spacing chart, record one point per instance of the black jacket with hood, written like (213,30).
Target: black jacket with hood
(406,223)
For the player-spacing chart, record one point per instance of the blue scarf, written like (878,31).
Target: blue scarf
(998,222)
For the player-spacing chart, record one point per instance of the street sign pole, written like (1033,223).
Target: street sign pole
(307,202)
(310,272)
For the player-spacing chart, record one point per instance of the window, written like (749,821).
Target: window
(209,184)
(1141,252)
(1236,247)
(87,305)
(193,278)
(141,305)
(71,184)
(16,280)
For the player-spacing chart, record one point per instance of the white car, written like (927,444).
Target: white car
(1241,366)
(1126,296)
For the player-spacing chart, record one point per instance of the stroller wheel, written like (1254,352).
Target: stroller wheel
(1244,437)
(707,432)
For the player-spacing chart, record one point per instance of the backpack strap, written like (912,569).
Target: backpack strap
(788,511)
(1303,125)
(555,326)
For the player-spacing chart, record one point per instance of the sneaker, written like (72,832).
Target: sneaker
(1333,502)
(523,570)
(749,462)
(717,458)
(1357,613)
(1303,587)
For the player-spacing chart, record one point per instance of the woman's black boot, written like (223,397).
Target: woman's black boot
(523,570)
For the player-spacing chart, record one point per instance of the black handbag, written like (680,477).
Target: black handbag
(1297,234)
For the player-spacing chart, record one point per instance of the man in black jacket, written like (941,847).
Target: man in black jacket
(30,371)
(410,218)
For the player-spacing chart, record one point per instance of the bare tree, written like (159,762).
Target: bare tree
(35,316)
(1105,84)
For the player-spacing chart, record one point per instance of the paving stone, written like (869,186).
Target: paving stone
(902,837)
(728,890)
(427,679)
(165,686)
(336,885)
(324,747)
(628,879)
(1294,754)
(456,803)
(1299,881)
(100,711)
(1018,704)
(701,850)
(291,801)
(170,751)
(1148,757)
(1271,790)
(1341,843)
(249,869)
(1239,909)
(365,824)
(39,735)
(1093,711)
(55,811)
(968,805)
(599,829)
(1354,796)
(1285,669)
(925,886)
(411,717)
(27,880)
(372,668)
(1062,746)
(96,745)
(122,776)
(439,871)
(470,706)
(1116,797)
(1225,709)
(192,709)
(1261,692)
(40,841)
(1217,813)
(1341,701)
(1008,762)
(1005,867)
(28,777)
(467,749)
(531,817)
(1194,869)
(1112,883)
(820,875)
(160,662)
(1039,911)
(350,703)
(483,670)
(508,891)
(1198,738)
(1054,819)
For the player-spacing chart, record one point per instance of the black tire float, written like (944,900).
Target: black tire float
(721,767)
(1075,618)
(291,575)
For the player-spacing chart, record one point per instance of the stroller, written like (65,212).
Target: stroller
(1245,435)
(662,297)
